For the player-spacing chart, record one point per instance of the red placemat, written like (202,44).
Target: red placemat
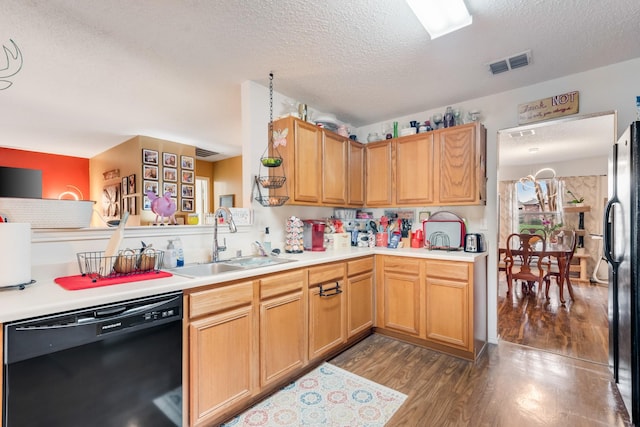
(74,283)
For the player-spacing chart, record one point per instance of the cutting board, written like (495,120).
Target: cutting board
(447,223)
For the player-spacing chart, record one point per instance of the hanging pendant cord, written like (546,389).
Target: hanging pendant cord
(270,108)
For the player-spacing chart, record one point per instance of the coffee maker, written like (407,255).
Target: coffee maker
(313,235)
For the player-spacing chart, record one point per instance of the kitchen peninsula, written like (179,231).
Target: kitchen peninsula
(432,298)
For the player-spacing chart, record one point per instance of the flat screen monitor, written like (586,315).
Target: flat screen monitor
(20,182)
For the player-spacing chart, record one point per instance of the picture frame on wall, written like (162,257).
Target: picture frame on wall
(188,205)
(146,203)
(125,186)
(131,184)
(187,162)
(188,177)
(149,157)
(170,160)
(170,174)
(150,172)
(150,186)
(111,202)
(227,200)
(188,191)
(171,188)
(133,205)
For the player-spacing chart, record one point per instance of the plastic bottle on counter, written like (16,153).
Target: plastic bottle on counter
(266,241)
(170,258)
(179,252)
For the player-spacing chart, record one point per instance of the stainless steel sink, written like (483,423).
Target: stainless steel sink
(255,261)
(201,270)
(234,264)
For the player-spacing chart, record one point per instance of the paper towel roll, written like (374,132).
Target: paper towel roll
(15,258)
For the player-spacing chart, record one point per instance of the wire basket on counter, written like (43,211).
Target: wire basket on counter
(127,263)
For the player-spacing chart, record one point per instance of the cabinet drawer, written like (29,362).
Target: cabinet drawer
(222,298)
(402,265)
(358,266)
(326,273)
(279,284)
(448,269)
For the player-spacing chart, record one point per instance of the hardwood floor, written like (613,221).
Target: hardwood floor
(577,329)
(510,385)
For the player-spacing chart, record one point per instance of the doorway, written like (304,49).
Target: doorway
(576,150)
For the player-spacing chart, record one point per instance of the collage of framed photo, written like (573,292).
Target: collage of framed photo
(168,173)
(187,180)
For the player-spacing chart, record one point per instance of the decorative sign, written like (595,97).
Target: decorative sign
(548,108)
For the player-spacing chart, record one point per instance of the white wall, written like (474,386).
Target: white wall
(608,88)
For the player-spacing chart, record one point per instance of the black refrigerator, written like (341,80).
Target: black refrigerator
(621,243)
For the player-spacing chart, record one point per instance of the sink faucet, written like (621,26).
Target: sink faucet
(232,228)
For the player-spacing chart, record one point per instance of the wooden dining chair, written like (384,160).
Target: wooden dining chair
(524,261)
(567,239)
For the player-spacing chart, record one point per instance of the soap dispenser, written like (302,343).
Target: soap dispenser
(179,252)
(170,260)
(266,241)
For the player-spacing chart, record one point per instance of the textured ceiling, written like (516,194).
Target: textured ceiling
(99,71)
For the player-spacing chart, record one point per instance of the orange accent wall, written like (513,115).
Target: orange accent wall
(57,171)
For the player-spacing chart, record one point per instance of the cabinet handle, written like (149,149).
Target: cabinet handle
(334,291)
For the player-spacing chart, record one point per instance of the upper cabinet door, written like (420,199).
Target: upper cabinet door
(379,175)
(334,168)
(355,194)
(460,166)
(307,162)
(414,170)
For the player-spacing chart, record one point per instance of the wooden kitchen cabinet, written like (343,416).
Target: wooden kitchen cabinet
(449,303)
(439,304)
(327,319)
(318,166)
(379,173)
(223,358)
(335,162)
(355,194)
(283,330)
(400,306)
(359,291)
(439,168)
(461,165)
(415,179)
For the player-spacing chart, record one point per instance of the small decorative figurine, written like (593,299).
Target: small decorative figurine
(163,207)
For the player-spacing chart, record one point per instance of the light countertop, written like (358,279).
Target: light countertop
(46,297)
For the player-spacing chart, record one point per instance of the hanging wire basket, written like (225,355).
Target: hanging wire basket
(271,162)
(272,181)
(272,201)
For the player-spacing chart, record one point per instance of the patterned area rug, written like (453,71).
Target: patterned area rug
(326,396)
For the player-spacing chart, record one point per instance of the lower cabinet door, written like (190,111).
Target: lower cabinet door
(222,363)
(448,312)
(282,336)
(326,318)
(359,303)
(402,302)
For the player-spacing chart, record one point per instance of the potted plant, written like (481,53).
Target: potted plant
(576,201)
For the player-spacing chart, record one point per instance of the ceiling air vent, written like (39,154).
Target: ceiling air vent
(499,67)
(515,61)
(201,152)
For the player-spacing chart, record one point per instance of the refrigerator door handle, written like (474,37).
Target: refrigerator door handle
(607,229)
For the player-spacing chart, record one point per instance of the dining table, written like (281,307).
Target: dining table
(558,251)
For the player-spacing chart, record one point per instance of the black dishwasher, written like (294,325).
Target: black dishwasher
(114,365)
